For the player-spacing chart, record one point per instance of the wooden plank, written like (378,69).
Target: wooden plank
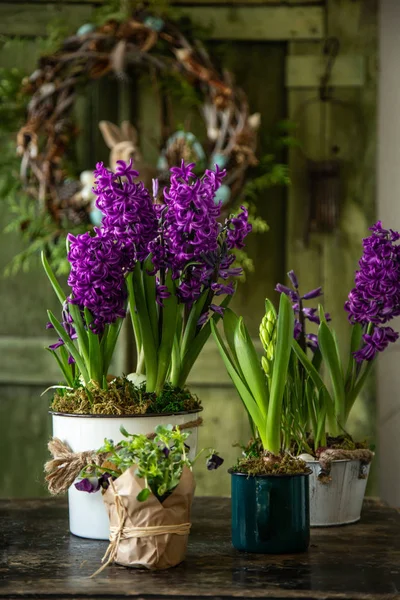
(266,23)
(225,23)
(248,3)
(198,2)
(24,361)
(306,71)
(32,19)
(22,54)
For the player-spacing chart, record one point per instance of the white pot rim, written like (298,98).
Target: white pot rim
(147,415)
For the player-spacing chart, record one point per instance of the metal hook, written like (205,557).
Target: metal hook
(331,49)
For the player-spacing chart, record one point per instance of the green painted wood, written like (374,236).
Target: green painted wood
(26,428)
(32,19)
(232,23)
(331,259)
(306,71)
(260,22)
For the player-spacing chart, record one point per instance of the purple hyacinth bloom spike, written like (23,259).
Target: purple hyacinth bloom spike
(293,278)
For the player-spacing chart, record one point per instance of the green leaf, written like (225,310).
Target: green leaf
(331,359)
(108,343)
(124,431)
(134,317)
(66,372)
(356,390)
(198,343)
(231,324)
(149,287)
(355,342)
(149,346)
(284,337)
(246,396)
(250,366)
(52,278)
(95,359)
(169,314)
(81,332)
(70,346)
(143,495)
(191,325)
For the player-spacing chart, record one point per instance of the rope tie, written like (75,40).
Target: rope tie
(331,454)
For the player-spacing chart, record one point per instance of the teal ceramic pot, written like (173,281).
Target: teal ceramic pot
(270,513)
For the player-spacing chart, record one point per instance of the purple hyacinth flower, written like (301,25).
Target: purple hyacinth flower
(313,294)
(283,289)
(377,342)
(293,278)
(155,186)
(214,462)
(203,319)
(88,485)
(161,293)
(217,309)
(376,295)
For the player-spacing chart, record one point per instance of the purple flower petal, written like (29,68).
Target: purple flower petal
(214,462)
(88,485)
(293,278)
(313,294)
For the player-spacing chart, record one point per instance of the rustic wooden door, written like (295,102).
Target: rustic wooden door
(257,58)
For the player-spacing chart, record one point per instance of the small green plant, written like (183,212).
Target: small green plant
(159,461)
(261,388)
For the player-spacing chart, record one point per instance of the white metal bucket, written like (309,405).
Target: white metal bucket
(339,501)
(87,513)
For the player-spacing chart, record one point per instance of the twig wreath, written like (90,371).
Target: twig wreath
(142,41)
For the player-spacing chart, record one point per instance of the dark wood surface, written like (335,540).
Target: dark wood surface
(41,559)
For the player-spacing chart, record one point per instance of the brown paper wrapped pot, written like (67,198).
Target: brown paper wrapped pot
(136,545)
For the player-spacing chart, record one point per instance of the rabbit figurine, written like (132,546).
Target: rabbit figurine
(122,141)
(123,144)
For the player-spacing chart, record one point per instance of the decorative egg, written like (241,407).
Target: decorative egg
(307,457)
(193,143)
(85,29)
(95,215)
(218,159)
(155,23)
(223,194)
(162,163)
(136,378)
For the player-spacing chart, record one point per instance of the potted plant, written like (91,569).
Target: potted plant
(147,486)
(270,492)
(171,263)
(328,385)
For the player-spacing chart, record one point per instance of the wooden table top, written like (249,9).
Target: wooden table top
(41,559)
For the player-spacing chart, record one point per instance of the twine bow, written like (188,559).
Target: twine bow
(66,465)
(123,533)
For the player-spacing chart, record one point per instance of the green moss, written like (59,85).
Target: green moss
(123,398)
(258,462)
(340,442)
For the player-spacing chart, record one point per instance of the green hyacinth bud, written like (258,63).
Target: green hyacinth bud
(268,339)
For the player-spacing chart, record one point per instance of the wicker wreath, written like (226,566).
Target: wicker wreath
(147,42)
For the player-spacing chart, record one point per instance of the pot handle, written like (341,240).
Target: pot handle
(263,512)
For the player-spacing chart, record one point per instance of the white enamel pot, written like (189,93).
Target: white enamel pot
(87,513)
(339,501)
